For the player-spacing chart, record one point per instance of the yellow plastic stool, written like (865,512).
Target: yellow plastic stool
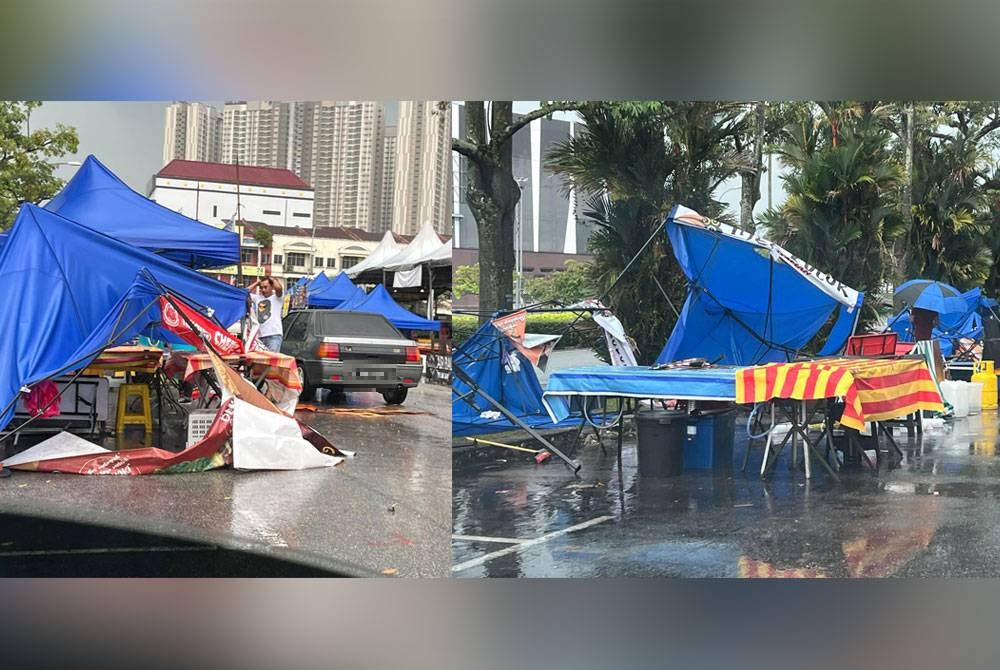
(125,393)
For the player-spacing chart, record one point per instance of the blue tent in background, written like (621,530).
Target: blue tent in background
(72,292)
(356,299)
(99,200)
(952,325)
(492,361)
(380,302)
(749,300)
(334,292)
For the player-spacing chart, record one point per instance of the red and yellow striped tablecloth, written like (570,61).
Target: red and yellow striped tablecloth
(872,389)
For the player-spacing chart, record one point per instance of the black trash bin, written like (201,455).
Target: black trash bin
(662,434)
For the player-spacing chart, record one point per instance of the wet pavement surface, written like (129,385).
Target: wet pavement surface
(935,514)
(387,511)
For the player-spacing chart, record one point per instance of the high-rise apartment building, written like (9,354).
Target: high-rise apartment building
(192,131)
(256,133)
(422,188)
(387,180)
(337,148)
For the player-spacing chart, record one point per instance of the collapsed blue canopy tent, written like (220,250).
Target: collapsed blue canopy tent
(99,200)
(749,300)
(952,325)
(331,293)
(380,302)
(491,360)
(73,291)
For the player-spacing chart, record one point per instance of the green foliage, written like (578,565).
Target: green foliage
(584,333)
(263,237)
(465,280)
(26,175)
(841,214)
(567,286)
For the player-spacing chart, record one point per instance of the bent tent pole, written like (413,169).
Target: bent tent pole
(570,463)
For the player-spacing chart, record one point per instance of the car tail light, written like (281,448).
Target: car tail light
(412,355)
(328,350)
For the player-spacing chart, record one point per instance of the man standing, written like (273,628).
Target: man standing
(266,296)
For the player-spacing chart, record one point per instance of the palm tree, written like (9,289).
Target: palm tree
(951,213)
(841,215)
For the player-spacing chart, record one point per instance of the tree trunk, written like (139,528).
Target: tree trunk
(750,193)
(901,250)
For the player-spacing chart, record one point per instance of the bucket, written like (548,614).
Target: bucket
(662,435)
(983,372)
(956,394)
(975,397)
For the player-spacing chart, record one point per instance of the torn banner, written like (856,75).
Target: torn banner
(536,348)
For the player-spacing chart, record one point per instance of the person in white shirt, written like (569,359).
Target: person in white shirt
(266,296)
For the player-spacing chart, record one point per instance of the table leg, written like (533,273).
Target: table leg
(767,444)
(806,447)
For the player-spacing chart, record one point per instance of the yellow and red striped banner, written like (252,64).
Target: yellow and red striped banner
(872,389)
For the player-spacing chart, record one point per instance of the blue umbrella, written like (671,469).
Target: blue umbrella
(933,296)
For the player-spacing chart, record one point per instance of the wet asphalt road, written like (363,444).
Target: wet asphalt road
(387,511)
(936,514)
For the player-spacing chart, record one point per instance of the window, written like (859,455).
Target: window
(248,256)
(296,259)
(302,214)
(331,263)
(272,212)
(297,329)
(215,210)
(265,259)
(349,261)
(277,259)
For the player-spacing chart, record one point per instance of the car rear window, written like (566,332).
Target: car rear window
(350,324)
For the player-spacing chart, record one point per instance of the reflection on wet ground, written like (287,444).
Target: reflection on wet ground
(935,514)
(385,512)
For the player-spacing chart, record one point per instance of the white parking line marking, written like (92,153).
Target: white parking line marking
(483,538)
(527,543)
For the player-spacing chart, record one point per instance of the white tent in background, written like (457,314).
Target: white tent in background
(387,248)
(418,251)
(442,256)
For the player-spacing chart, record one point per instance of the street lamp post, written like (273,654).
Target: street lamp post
(519,247)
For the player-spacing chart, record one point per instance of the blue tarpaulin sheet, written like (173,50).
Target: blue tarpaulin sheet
(717,383)
(99,200)
(489,358)
(70,290)
(749,301)
(380,302)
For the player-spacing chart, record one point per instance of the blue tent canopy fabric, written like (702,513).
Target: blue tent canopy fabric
(332,292)
(380,302)
(960,320)
(99,200)
(750,301)
(75,288)
(356,299)
(492,361)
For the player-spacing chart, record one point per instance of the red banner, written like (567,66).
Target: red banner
(179,318)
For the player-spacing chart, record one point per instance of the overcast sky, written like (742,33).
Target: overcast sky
(125,136)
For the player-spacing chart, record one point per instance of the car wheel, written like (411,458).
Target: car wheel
(336,395)
(308,392)
(395,396)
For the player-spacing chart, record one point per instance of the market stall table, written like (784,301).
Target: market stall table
(872,390)
(635,382)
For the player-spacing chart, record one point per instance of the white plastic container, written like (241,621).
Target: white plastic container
(957,395)
(975,397)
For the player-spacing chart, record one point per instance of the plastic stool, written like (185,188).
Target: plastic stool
(145,418)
